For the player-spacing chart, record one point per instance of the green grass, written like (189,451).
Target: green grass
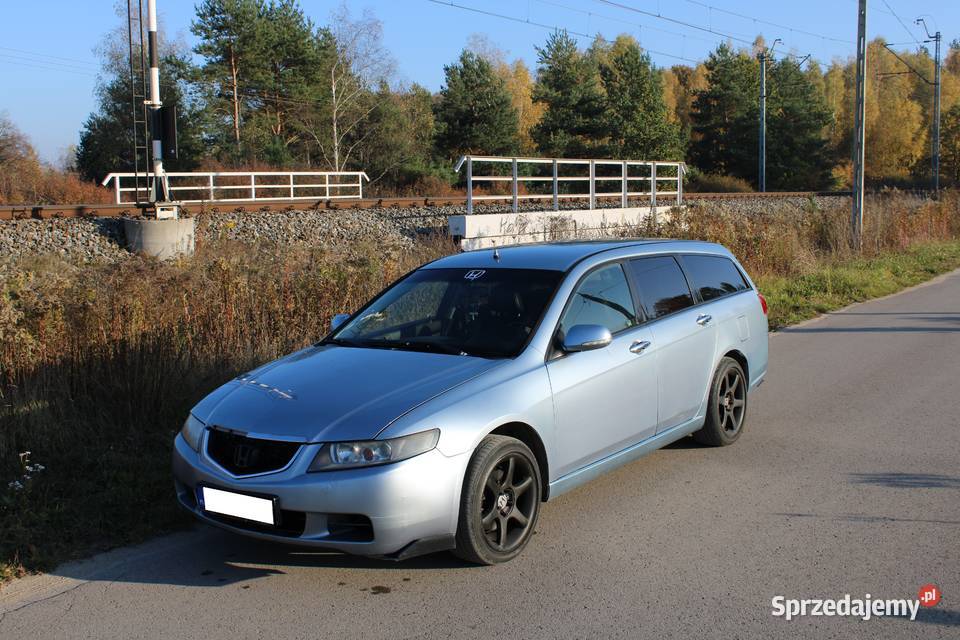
(832,286)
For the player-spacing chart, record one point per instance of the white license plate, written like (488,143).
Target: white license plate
(237,505)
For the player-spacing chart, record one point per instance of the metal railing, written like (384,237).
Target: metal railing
(671,172)
(248,186)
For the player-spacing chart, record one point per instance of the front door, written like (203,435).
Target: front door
(606,399)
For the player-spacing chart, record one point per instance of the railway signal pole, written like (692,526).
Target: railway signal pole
(856,218)
(159,231)
(159,192)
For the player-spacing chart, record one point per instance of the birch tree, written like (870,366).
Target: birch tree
(361,64)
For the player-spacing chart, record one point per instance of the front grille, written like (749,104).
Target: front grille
(243,456)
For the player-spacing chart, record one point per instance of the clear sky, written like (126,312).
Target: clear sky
(48,66)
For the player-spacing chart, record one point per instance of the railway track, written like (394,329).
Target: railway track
(52,211)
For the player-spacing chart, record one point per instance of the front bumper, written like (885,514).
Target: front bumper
(412,505)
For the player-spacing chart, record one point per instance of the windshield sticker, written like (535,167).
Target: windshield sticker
(474,274)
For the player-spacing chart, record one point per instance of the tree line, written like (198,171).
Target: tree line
(266,87)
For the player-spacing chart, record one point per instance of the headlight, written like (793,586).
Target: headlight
(191,431)
(349,455)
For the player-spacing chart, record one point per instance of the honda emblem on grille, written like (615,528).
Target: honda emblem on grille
(244,456)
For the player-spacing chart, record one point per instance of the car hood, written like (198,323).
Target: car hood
(331,393)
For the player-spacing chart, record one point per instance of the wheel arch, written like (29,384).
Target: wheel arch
(738,355)
(529,436)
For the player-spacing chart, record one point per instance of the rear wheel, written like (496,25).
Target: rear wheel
(726,406)
(500,501)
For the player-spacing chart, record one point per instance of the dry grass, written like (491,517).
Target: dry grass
(789,241)
(100,364)
(33,183)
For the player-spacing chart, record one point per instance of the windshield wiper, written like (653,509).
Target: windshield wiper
(342,342)
(431,347)
(411,345)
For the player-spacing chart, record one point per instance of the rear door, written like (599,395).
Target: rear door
(683,338)
(606,399)
(722,292)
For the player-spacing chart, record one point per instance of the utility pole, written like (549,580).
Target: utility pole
(762,181)
(856,221)
(935,155)
(762,170)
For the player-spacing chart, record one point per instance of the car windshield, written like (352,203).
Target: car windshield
(481,312)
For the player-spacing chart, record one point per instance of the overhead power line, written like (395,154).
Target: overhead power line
(621,21)
(37,54)
(683,23)
(902,23)
(908,65)
(769,23)
(19,63)
(47,62)
(550,27)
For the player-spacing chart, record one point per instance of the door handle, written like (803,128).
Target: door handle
(638,346)
(704,319)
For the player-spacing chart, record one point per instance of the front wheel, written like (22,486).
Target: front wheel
(500,501)
(726,406)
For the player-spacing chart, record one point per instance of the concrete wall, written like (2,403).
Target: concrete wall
(479,231)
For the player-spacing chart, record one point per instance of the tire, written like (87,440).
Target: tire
(726,406)
(499,503)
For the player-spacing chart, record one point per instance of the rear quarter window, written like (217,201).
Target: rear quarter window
(713,277)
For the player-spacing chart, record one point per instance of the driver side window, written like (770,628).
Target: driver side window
(603,298)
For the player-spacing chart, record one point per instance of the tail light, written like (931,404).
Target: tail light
(763,302)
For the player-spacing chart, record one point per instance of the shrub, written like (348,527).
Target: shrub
(712,183)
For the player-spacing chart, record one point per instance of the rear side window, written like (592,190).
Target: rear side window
(661,285)
(713,276)
(603,298)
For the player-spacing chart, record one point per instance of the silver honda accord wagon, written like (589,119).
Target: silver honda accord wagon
(445,411)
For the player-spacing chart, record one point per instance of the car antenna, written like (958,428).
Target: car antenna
(496,254)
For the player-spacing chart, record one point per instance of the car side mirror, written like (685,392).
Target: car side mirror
(338,320)
(586,337)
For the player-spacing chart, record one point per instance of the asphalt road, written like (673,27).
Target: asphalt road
(846,480)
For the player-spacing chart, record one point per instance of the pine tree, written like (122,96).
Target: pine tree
(294,57)
(474,113)
(232,43)
(725,135)
(798,151)
(634,120)
(568,86)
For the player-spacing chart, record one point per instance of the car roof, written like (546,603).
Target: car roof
(560,256)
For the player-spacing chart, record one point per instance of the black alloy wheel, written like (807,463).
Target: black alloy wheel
(732,401)
(500,501)
(508,504)
(726,405)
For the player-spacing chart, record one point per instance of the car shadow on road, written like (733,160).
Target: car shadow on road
(870,329)
(912,322)
(907,480)
(865,518)
(686,442)
(942,617)
(208,557)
